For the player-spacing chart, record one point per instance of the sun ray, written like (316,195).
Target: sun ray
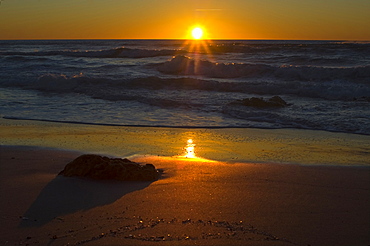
(198,47)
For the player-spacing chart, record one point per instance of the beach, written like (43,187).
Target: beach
(245,187)
(185,123)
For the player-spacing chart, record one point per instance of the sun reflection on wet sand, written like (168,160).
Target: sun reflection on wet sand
(190,149)
(190,155)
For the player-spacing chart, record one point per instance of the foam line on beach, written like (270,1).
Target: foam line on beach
(159,126)
(126,125)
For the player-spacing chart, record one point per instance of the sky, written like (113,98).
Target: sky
(173,19)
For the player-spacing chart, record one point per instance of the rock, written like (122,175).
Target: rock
(275,101)
(104,168)
(362,99)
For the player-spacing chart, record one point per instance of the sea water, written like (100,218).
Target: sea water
(195,84)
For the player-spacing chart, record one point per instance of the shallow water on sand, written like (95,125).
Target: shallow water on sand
(286,146)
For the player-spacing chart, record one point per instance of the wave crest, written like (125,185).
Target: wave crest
(120,52)
(129,53)
(183,65)
(130,89)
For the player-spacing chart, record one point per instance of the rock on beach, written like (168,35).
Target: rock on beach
(104,168)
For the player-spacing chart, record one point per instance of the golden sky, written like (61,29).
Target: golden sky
(172,19)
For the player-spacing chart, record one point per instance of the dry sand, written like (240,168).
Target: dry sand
(196,202)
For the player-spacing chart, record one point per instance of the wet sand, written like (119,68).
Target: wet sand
(303,147)
(196,202)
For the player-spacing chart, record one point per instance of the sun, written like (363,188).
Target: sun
(197,33)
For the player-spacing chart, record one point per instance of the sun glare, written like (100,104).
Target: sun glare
(197,33)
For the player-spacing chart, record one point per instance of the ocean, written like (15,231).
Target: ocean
(325,85)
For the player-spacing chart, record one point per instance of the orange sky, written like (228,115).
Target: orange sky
(171,19)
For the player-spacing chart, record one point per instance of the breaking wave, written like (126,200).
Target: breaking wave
(121,89)
(183,65)
(289,47)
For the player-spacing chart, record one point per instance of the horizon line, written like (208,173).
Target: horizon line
(187,39)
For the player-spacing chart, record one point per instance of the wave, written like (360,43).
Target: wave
(102,49)
(129,53)
(113,90)
(123,89)
(21,58)
(282,46)
(281,119)
(183,65)
(120,52)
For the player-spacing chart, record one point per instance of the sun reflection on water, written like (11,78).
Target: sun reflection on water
(190,149)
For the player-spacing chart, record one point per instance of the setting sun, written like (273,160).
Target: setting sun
(197,33)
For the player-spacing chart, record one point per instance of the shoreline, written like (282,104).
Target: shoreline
(174,127)
(195,202)
(285,146)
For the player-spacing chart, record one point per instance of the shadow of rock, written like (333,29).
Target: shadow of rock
(66,195)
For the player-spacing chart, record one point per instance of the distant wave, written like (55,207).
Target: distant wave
(260,46)
(120,52)
(212,47)
(183,65)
